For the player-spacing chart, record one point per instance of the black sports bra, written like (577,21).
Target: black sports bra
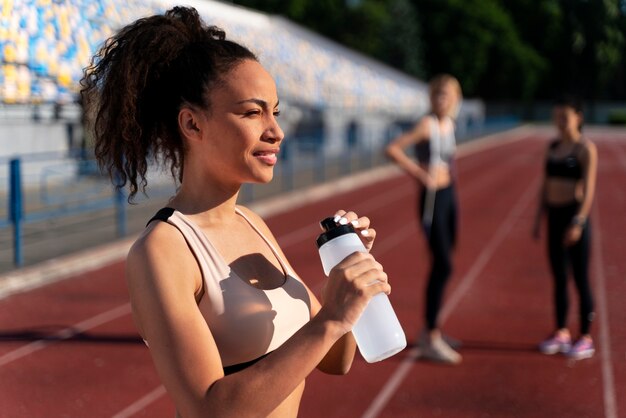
(568,167)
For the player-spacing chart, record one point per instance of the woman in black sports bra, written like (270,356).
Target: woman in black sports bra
(566,197)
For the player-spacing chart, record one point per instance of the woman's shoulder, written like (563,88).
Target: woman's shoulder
(422,128)
(158,240)
(587,148)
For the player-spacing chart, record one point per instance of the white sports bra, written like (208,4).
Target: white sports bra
(245,321)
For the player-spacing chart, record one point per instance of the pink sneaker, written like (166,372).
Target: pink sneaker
(556,344)
(582,349)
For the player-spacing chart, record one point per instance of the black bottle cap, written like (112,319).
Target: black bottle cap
(332,230)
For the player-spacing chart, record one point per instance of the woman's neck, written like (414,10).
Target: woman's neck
(211,202)
(571,136)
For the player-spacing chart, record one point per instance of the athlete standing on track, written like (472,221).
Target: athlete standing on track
(434,142)
(232,330)
(566,196)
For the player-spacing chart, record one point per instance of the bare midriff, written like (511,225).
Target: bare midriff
(562,191)
(441,174)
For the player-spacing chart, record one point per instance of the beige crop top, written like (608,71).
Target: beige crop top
(246,322)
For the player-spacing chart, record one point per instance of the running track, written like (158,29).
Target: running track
(69,349)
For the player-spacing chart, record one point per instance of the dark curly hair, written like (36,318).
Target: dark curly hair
(137,83)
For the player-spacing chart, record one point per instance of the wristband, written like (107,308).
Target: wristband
(579,220)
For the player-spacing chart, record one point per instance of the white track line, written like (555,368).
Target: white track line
(608,381)
(141,403)
(286,240)
(390,387)
(373,203)
(66,333)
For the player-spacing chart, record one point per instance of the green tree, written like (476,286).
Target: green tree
(513,49)
(402,40)
(477,41)
(583,41)
(386,30)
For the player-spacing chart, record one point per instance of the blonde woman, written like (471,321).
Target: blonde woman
(433,141)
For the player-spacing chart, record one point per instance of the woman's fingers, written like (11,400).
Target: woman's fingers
(363,271)
(360,224)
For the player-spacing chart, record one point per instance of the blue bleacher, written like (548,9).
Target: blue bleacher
(45,44)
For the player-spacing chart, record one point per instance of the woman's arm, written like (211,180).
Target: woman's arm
(164,279)
(339,358)
(396,151)
(589,161)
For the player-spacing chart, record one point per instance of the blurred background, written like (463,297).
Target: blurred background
(351,74)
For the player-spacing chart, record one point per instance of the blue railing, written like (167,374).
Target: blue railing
(56,195)
(53,193)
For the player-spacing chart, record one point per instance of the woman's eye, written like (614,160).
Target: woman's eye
(276,113)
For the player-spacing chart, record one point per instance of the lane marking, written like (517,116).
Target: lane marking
(399,192)
(66,333)
(141,403)
(67,266)
(390,387)
(389,243)
(608,381)
(286,240)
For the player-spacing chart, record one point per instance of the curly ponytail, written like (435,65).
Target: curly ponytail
(138,82)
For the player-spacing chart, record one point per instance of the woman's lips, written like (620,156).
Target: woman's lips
(268,157)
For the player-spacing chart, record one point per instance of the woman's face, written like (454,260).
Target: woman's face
(241,136)
(444,99)
(567,120)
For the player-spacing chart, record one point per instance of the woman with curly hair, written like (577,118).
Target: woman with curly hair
(231,328)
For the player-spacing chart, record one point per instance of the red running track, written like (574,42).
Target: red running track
(69,349)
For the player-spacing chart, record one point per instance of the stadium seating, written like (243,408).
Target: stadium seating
(45,44)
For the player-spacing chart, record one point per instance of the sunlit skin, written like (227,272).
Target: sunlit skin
(237,141)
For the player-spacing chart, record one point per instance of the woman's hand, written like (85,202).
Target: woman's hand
(427,180)
(350,286)
(572,235)
(361,225)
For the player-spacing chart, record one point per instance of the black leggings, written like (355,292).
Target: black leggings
(576,257)
(441,235)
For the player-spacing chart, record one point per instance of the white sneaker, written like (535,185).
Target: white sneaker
(436,349)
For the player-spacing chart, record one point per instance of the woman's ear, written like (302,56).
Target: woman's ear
(189,123)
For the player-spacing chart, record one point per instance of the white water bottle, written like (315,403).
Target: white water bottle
(377,332)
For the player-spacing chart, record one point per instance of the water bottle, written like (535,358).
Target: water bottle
(377,332)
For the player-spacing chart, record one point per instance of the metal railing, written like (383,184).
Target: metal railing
(55,195)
